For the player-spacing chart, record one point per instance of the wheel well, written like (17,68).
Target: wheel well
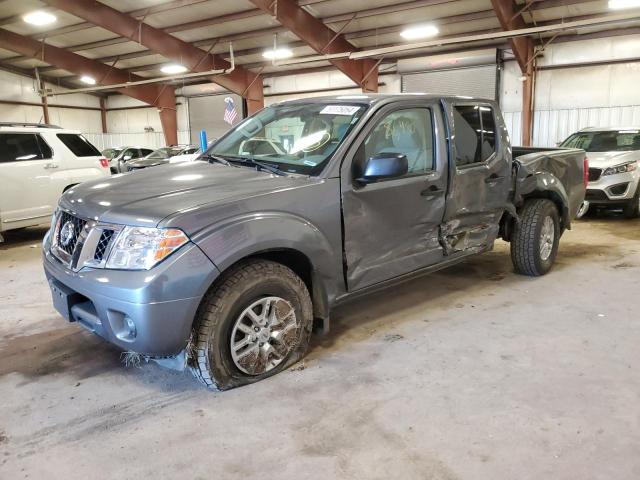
(296,261)
(69,187)
(557,200)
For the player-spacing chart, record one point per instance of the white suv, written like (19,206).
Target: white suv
(37,164)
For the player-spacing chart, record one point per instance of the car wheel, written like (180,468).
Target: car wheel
(255,322)
(534,244)
(583,210)
(632,209)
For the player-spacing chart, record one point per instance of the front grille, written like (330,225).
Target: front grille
(594,174)
(69,241)
(103,243)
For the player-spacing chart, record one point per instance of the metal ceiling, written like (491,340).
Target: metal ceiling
(365,24)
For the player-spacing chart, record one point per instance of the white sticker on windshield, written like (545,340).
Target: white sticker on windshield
(339,110)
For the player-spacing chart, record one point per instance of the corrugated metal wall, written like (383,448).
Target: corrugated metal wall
(150,140)
(553,126)
(479,81)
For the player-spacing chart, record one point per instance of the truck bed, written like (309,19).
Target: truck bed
(556,170)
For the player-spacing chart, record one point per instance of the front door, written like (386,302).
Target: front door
(391,226)
(26,168)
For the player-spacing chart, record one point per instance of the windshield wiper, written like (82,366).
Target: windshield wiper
(214,158)
(258,165)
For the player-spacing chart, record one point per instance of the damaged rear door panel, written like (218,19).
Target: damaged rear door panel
(480,176)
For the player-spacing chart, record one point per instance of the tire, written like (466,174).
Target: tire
(274,291)
(632,209)
(528,254)
(583,210)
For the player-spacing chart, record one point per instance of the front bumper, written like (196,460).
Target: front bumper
(160,303)
(614,189)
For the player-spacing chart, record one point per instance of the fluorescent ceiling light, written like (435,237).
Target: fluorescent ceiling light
(39,18)
(419,31)
(277,54)
(173,69)
(622,4)
(88,80)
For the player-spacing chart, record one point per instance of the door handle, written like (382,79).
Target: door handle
(431,191)
(51,165)
(493,178)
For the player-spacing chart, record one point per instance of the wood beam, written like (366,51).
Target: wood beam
(323,40)
(160,96)
(240,81)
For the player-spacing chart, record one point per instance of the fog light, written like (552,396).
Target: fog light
(619,189)
(131,326)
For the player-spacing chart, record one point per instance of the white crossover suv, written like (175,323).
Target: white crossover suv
(614,177)
(37,164)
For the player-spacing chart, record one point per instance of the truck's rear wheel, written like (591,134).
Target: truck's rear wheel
(254,323)
(534,244)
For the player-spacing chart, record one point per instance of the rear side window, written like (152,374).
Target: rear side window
(475,130)
(79,145)
(18,147)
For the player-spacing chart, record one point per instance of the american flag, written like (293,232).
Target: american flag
(230,112)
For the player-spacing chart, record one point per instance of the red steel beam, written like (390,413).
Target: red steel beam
(160,96)
(510,18)
(241,81)
(322,39)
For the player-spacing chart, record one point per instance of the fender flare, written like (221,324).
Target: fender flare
(236,238)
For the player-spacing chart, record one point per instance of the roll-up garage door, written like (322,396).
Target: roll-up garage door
(207,113)
(477,81)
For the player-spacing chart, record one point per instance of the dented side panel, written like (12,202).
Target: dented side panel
(478,193)
(558,172)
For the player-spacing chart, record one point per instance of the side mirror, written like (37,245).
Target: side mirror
(384,165)
(126,158)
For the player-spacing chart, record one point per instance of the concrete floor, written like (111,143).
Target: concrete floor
(471,373)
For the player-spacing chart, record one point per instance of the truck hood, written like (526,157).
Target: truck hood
(145,197)
(610,159)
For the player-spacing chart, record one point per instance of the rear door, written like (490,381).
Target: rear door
(26,167)
(481,175)
(391,226)
(79,160)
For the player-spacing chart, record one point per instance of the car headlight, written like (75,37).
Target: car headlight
(140,248)
(625,167)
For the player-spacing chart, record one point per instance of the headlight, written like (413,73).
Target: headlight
(625,167)
(140,248)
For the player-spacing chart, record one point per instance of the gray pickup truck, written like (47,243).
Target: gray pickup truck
(225,265)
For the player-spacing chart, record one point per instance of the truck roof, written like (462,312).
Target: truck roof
(371,98)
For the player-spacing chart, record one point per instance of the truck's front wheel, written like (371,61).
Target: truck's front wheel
(534,243)
(254,323)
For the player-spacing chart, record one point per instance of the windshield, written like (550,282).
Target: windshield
(165,152)
(298,138)
(607,141)
(112,152)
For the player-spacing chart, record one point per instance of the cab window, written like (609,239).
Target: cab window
(408,132)
(475,133)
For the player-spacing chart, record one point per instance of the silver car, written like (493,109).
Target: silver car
(613,155)
(119,156)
